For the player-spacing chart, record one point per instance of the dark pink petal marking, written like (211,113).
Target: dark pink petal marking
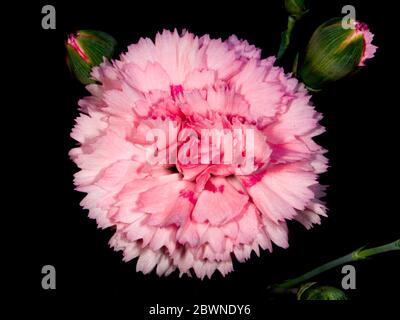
(176,90)
(213,188)
(251,180)
(188,194)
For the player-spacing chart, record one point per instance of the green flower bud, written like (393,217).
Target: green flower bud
(311,291)
(296,8)
(334,52)
(86,49)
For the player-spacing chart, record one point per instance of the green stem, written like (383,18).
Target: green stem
(285,37)
(356,255)
(295,63)
(395,245)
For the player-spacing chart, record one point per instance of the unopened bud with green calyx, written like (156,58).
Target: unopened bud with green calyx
(334,52)
(296,8)
(86,49)
(312,291)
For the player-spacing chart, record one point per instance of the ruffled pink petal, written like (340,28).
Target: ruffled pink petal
(218,202)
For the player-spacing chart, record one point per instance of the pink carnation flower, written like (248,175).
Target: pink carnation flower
(197,216)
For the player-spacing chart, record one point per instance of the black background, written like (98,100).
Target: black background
(358,115)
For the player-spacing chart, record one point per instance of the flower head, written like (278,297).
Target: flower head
(334,52)
(197,151)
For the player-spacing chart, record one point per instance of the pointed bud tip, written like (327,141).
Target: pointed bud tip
(72,41)
(86,49)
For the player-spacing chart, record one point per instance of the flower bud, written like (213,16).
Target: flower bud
(311,291)
(334,52)
(86,49)
(296,8)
